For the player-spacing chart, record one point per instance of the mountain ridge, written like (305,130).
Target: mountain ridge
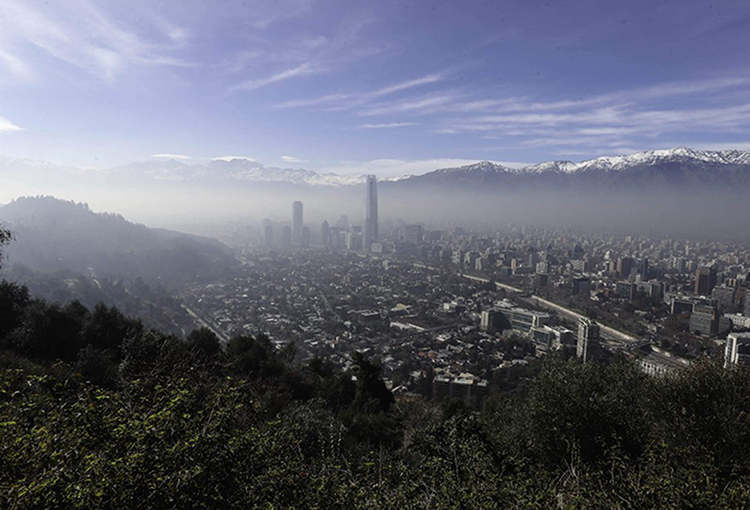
(249,171)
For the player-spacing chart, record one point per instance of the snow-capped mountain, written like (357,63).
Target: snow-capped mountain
(238,169)
(607,163)
(678,167)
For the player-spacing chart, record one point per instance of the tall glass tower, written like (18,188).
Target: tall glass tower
(371,213)
(297,223)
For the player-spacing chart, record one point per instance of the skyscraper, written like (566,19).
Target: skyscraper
(268,235)
(705,280)
(588,339)
(297,223)
(371,213)
(325,233)
(286,236)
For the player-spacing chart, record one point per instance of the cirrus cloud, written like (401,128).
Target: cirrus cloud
(8,126)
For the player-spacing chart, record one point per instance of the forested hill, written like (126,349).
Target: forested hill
(52,235)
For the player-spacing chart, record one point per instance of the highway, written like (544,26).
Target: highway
(222,337)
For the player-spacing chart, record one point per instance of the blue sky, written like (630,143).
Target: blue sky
(370,86)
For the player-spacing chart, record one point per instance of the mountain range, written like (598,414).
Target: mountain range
(682,167)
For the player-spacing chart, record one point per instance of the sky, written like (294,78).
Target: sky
(355,86)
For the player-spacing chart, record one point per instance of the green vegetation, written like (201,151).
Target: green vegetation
(96,411)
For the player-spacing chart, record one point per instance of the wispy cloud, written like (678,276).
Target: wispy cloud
(387,125)
(292,159)
(420,104)
(313,101)
(425,80)
(230,158)
(83,35)
(8,126)
(339,102)
(248,85)
(170,156)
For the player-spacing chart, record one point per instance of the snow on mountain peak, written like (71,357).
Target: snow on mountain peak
(663,155)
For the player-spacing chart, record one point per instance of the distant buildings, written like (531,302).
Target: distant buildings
(354,238)
(371,213)
(267,233)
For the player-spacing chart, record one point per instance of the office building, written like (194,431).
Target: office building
(522,320)
(737,350)
(724,296)
(413,234)
(492,320)
(626,290)
(704,320)
(268,235)
(297,223)
(581,285)
(625,266)
(286,236)
(467,388)
(325,233)
(705,280)
(588,339)
(371,213)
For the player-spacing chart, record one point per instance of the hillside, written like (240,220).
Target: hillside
(53,235)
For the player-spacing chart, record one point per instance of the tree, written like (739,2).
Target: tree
(204,342)
(107,328)
(255,356)
(371,393)
(6,236)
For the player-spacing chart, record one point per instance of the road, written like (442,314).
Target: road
(206,324)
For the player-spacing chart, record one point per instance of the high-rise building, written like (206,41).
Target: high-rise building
(297,223)
(588,338)
(625,266)
(286,236)
(304,241)
(737,350)
(371,213)
(268,235)
(704,320)
(325,233)
(413,233)
(705,280)
(724,296)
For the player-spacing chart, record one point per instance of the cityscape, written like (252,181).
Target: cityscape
(335,255)
(449,310)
